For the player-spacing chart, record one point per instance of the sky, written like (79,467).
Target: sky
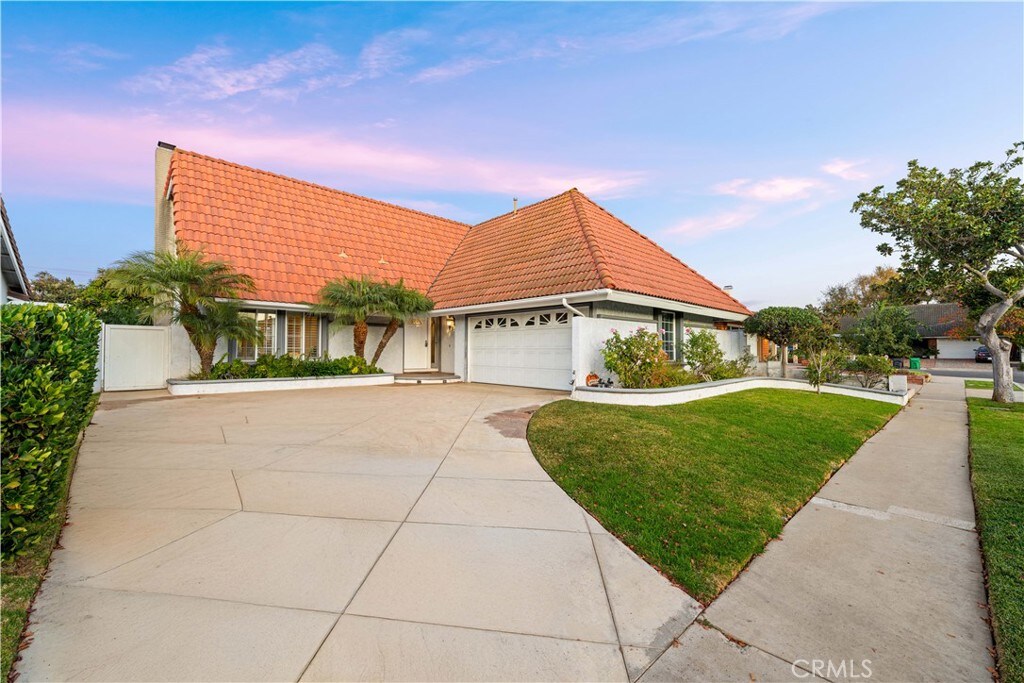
(735,135)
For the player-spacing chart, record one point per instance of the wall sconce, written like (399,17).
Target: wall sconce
(449,325)
(416,322)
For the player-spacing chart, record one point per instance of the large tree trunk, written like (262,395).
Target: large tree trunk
(359,332)
(389,332)
(1002,371)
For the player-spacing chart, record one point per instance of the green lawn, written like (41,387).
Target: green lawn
(997,474)
(983,384)
(698,489)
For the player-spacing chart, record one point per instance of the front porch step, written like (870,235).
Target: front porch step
(427,378)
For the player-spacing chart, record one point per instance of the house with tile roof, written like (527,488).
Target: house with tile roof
(511,294)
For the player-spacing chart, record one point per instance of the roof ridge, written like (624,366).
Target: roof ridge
(603,274)
(661,248)
(315,185)
(524,208)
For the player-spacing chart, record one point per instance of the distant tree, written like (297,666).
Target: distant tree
(782,325)
(953,231)
(884,330)
(47,287)
(193,291)
(847,299)
(112,305)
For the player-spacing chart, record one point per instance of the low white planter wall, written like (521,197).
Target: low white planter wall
(695,392)
(192,387)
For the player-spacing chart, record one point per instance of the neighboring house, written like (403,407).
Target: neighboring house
(936,325)
(15,283)
(506,290)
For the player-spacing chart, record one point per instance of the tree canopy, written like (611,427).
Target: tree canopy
(953,232)
(782,325)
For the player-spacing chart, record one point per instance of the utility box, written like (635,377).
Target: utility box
(898,383)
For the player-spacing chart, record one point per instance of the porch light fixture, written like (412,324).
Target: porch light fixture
(416,322)
(449,325)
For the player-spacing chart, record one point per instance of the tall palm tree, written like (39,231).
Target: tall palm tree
(352,301)
(191,290)
(403,303)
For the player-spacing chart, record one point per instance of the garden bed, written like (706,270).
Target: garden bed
(193,387)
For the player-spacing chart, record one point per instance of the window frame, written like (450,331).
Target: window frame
(303,345)
(667,332)
(259,349)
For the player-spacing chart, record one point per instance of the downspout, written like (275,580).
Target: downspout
(565,304)
(576,311)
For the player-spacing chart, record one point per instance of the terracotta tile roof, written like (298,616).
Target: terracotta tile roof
(292,236)
(567,244)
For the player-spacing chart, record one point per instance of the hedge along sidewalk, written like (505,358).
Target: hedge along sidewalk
(48,367)
(997,476)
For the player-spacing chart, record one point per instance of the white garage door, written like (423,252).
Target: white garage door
(951,349)
(522,349)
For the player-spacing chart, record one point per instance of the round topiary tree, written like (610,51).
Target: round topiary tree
(782,325)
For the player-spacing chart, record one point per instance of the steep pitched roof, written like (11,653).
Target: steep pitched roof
(292,236)
(567,244)
(19,286)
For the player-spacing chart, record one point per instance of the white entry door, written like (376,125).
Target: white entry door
(417,344)
(522,349)
(134,357)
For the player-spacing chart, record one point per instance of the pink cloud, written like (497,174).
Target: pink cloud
(846,169)
(110,157)
(701,226)
(771,190)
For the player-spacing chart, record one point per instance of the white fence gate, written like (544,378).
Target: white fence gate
(135,357)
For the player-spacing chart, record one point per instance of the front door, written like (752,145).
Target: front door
(417,344)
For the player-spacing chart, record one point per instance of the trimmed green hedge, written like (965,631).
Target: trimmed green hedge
(48,369)
(287,366)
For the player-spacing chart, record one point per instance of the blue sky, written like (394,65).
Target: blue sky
(736,135)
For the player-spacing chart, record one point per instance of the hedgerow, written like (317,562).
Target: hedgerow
(288,366)
(48,367)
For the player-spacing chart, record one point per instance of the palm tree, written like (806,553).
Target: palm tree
(352,301)
(190,289)
(403,303)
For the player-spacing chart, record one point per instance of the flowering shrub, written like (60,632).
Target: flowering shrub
(635,358)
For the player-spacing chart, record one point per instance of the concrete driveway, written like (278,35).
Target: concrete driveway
(400,533)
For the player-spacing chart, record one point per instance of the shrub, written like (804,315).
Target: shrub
(705,357)
(635,358)
(48,368)
(885,331)
(825,366)
(669,375)
(869,370)
(289,366)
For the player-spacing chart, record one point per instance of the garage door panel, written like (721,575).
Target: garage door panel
(523,349)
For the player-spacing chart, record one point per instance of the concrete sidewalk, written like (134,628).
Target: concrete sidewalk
(880,574)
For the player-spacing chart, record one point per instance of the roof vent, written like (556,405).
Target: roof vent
(382,261)
(515,204)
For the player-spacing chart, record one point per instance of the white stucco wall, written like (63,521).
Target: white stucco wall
(3,291)
(184,360)
(588,337)
(695,392)
(460,343)
(339,343)
(953,349)
(447,347)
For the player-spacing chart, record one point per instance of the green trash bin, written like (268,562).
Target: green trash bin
(915,363)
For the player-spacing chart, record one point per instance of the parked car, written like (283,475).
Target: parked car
(982,355)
